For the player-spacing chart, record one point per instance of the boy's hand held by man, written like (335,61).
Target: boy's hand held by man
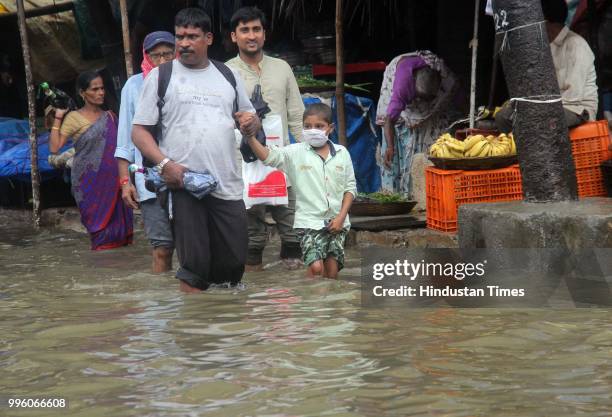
(249,123)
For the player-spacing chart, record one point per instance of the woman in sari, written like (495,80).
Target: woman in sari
(413,109)
(95,182)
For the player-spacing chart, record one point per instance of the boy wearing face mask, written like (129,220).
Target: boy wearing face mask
(322,174)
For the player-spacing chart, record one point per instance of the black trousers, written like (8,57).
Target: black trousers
(211,239)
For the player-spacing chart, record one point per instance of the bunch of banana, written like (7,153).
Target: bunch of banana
(447,147)
(476,146)
(508,139)
(480,146)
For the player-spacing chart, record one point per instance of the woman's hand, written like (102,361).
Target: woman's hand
(388,161)
(129,195)
(60,113)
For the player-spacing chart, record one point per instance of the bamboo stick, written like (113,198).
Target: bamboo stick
(474,46)
(125,28)
(340,75)
(31,115)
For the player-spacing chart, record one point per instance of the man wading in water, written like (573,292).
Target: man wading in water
(198,123)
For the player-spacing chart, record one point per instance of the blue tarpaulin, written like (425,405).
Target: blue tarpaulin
(362,135)
(15,151)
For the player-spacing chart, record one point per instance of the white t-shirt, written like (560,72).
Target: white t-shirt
(197,122)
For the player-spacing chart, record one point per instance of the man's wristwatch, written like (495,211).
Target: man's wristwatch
(159,167)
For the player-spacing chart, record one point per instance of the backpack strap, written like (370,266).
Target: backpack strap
(163,80)
(229,76)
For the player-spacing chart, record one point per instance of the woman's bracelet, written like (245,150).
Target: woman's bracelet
(55,128)
(124,181)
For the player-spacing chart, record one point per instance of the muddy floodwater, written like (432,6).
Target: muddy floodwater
(100,331)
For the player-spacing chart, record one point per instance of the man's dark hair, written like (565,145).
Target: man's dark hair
(247,14)
(555,11)
(319,109)
(193,17)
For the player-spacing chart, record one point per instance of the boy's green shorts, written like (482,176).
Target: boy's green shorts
(320,244)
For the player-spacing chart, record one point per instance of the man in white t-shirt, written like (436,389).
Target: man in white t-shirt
(198,120)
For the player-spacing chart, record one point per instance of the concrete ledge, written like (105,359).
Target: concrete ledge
(573,225)
(402,238)
(69,218)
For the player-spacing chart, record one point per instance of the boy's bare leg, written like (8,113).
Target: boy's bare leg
(331,268)
(162,259)
(315,269)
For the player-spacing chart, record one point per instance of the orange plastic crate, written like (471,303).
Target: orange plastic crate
(447,190)
(590,148)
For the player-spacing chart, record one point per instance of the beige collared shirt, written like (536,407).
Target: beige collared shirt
(574,63)
(279,89)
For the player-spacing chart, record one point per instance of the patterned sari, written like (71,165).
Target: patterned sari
(95,186)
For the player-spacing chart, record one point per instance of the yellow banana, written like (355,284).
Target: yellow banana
(512,146)
(476,149)
(486,150)
(500,149)
(445,152)
(434,149)
(470,141)
(456,146)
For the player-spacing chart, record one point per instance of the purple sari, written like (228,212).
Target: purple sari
(95,185)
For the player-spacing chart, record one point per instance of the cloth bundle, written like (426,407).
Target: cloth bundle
(199,184)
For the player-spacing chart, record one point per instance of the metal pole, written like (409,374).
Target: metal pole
(340,75)
(31,115)
(125,28)
(474,46)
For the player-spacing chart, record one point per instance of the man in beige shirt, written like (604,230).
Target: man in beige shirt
(280,90)
(575,67)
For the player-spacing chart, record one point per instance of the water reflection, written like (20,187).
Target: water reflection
(97,329)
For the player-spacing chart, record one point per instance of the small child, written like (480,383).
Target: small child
(324,182)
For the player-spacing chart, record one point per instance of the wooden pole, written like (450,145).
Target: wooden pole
(125,28)
(32,115)
(340,75)
(474,46)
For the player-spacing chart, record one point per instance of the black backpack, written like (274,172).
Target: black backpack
(165,72)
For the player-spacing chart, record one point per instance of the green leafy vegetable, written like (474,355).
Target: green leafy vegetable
(382,197)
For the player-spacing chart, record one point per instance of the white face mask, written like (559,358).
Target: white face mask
(314,137)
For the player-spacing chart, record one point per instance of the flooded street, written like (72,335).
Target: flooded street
(114,340)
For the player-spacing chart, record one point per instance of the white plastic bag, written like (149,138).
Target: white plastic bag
(262,184)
